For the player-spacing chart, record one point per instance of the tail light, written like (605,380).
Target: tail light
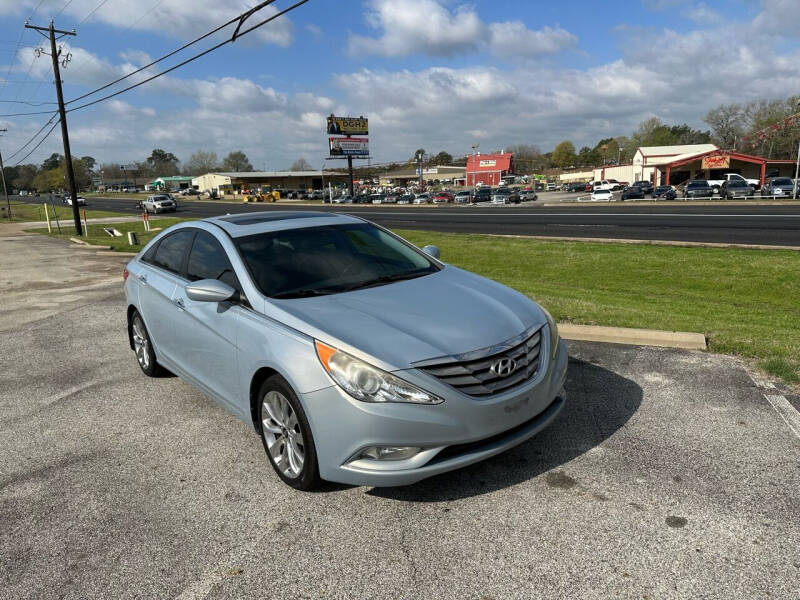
(125,274)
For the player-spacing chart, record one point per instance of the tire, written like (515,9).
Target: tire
(715,190)
(281,416)
(143,347)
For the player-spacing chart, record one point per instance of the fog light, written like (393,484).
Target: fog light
(389,452)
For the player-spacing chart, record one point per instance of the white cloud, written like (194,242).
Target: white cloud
(429,27)
(703,14)
(183,18)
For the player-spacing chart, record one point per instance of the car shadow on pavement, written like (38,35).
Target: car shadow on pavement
(599,402)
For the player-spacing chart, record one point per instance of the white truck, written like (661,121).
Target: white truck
(611,185)
(716,184)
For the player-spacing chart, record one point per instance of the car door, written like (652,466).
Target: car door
(205,332)
(157,281)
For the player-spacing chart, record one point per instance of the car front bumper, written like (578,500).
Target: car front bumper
(461,431)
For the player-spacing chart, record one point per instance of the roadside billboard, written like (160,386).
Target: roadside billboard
(344,147)
(348,125)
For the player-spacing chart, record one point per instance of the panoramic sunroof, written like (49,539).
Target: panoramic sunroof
(266,217)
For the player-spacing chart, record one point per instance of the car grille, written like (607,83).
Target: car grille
(476,378)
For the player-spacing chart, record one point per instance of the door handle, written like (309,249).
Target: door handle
(143,278)
(179,303)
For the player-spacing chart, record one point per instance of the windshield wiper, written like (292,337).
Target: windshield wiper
(386,279)
(304,293)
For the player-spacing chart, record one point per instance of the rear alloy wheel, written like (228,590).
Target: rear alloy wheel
(143,348)
(286,435)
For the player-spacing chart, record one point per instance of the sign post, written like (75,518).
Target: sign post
(348,146)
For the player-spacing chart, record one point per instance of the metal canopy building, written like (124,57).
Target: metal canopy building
(273,180)
(714,164)
(410,176)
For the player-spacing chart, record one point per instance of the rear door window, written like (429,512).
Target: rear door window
(172,251)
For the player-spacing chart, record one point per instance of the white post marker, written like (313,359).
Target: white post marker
(47,218)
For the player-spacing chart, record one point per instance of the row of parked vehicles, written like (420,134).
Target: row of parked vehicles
(500,195)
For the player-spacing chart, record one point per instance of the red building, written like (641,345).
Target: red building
(489,169)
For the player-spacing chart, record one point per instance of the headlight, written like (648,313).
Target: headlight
(367,383)
(553,328)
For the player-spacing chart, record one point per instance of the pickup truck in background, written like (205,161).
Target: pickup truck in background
(608,184)
(716,184)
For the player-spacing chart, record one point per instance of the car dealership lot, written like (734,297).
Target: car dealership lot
(668,475)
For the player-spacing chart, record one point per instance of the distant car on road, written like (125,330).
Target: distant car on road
(736,189)
(633,193)
(698,188)
(778,186)
(600,195)
(528,196)
(158,204)
(665,192)
(68,200)
(343,200)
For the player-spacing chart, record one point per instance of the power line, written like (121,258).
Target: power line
(236,35)
(147,12)
(21,160)
(26,102)
(166,56)
(33,137)
(13,59)
(94,10)
(63,8)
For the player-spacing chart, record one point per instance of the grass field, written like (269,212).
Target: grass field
(744,301)
(21,213)
(96,235)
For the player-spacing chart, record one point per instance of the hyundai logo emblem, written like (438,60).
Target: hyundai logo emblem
(504,367)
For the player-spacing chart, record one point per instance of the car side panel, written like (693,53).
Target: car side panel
(156,288)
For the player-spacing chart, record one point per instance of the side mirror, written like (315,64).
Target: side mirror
(209,290)
(431,251)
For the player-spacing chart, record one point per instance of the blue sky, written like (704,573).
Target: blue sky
(441,74)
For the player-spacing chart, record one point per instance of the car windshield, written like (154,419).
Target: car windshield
(782,181)
(697,184)
(160,198)
(317,261)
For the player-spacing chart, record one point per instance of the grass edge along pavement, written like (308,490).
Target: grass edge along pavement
(96,235)
(744,301)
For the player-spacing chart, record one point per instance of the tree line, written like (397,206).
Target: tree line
(51,175)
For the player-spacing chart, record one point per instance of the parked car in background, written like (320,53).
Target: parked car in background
(716,184)
(68,200)
(778,186)
(505,196)
(665,192)
(423,198)
(391,198)
(343,199)
(576,186)
(463,197)
(384,401)
(528,196)
(645,186)
(406,199)
(551,186)
(634,192)
(736,189)
(698,188)
(601,195)
(483,194)
(377,198)
(158,204)
(607,184)
(443,198)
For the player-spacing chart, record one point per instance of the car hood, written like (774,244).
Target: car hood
(449,312)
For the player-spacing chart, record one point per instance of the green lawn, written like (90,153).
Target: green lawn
(35,212)
(746,302)
(96,235)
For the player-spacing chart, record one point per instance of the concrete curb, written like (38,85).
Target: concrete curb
(596,240)
(635,337)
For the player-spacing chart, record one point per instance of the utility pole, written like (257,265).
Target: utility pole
(55,54)
(5,189)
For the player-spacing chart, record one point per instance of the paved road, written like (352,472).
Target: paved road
(742,224)
(668,476)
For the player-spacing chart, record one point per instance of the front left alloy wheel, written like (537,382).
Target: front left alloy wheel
(286,435)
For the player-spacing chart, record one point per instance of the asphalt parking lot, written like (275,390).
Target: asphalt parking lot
(668,475)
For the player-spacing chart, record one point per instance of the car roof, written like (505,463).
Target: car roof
(275,220)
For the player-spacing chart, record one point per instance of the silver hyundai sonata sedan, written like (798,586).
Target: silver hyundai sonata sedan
(357,357)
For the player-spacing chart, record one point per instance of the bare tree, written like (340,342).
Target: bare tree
(201,162)
(728,123)
(301,164)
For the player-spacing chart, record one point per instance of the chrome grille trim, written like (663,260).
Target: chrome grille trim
(470,373)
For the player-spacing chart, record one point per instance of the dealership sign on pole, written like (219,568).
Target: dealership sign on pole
(351,146)
(348,125)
